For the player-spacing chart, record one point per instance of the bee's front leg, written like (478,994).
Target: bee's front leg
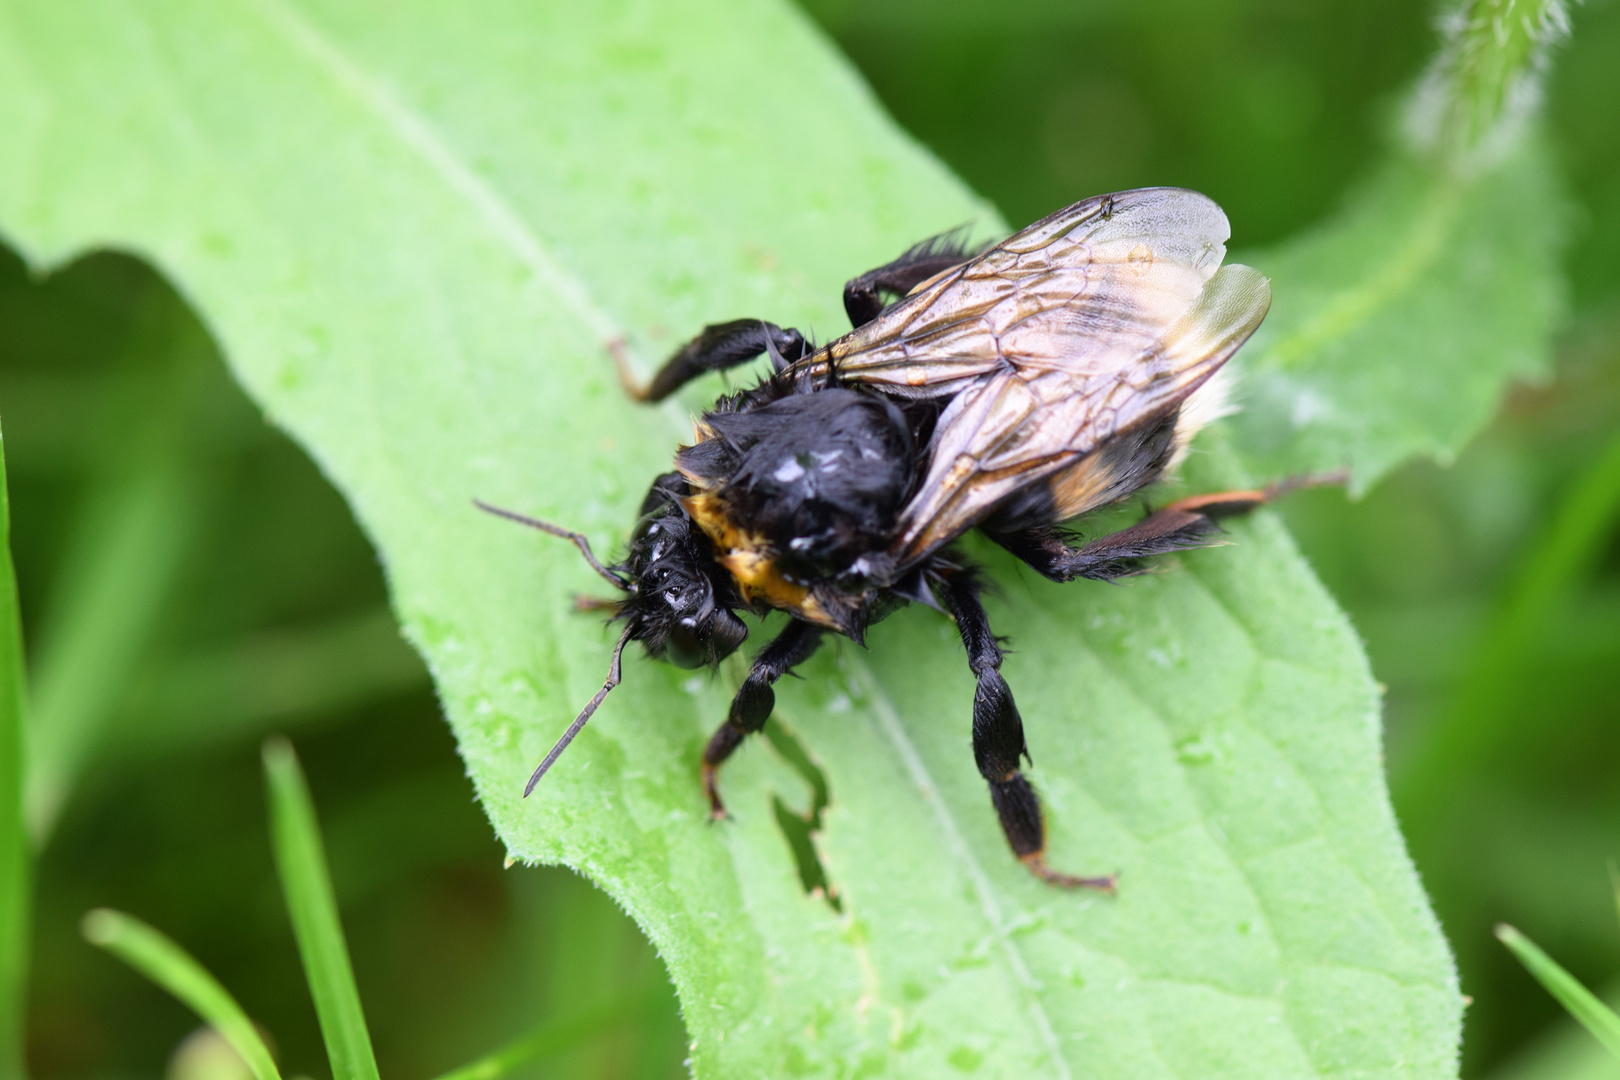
(754,701)
(998,740)
(719,347)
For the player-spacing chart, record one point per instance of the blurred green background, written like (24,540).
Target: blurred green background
(258,605)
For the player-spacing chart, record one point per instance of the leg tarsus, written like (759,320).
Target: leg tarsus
(1036,865)
(754,701)
(724,740)
(1226,504)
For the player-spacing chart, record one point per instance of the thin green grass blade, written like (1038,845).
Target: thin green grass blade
(14,853)
(301,862)
(1582,1004)
(1614,885)
(158,958)
(546,1041)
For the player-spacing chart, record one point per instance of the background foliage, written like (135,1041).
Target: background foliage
(195,563)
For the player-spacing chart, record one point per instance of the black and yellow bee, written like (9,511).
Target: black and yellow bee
(1011,390)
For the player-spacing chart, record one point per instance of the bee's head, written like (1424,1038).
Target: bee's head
(674,606)
(670,604)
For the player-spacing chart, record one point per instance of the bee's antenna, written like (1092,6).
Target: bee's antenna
(579,721)
(577,539)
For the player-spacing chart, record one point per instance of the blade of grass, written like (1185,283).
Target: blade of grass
(14,853)
(1614,885)
(549,1040)
(1582,1004)
(301,861)
(126,549)
(158,958)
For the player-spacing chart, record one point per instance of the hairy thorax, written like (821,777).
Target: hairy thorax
(798,495)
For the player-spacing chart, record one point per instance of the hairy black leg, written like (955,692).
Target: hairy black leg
(998,739)
(863,296)
(720,346)
(754,701)
(1185,523)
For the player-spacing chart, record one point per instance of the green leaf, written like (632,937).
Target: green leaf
(1396,324)
(15,861)
(420,240)
(1582,1004)
(152,954)
(307,886)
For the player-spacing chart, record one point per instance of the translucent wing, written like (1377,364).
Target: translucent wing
(1096,319)
(1087,290)
(1019,427)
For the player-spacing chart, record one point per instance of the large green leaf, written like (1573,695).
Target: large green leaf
(418,236)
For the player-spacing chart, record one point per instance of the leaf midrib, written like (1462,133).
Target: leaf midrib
(1351,308)
(894,729)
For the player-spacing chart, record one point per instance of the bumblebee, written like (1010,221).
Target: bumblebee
(1011,389)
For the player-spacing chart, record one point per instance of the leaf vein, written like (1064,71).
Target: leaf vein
(894,728)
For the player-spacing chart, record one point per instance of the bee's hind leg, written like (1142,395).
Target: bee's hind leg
(998,739)
(1185,523)
(720,346)
(754,701)
(863,296)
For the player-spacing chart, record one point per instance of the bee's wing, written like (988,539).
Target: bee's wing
(1042,421)
(1090,291)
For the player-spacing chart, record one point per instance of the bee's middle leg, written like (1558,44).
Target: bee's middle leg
(998,740)
(754,701)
